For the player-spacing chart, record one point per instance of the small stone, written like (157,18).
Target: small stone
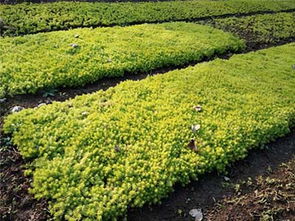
(179,211)
(16,109)
(62,93)
(197,214)
(3,100)
(293,66)
(85,113)
(187,200)
(109,60)
(48,101)
(76,36)
(196,127)
(198,108)
(226,178)
(42,104)
(74,45)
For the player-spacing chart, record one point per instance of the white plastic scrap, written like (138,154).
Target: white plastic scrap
(197,214)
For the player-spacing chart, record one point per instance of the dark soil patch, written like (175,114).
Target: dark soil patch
(17,204)
(265,198)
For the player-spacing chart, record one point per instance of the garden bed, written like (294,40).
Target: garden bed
(17,204)
(98,126)
(23,19)
(80,56)
(258,29)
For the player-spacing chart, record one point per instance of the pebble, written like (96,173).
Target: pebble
(196,127)
(16,109)
(62,93)
(197,214)
(48,101)
(41,104)
(226,178)
(187,200)
(74,45)
(198,108)
(85,113)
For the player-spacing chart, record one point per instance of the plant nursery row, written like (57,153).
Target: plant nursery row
(96,155)
(25,18)
(266,28)
(80,56)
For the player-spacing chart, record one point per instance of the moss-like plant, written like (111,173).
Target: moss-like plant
(96,155)
(80,56)
(268,28)
(32,18)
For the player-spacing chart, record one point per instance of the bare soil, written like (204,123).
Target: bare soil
(264,198)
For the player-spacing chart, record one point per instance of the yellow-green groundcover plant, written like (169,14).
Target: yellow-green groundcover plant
(80,56)
(31,18)
(96,155)
(266,28)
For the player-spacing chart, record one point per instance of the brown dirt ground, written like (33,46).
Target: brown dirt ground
(264,198)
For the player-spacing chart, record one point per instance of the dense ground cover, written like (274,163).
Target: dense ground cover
(31,18)
(76,57)
(266,28)
(97,154)
(46,1)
